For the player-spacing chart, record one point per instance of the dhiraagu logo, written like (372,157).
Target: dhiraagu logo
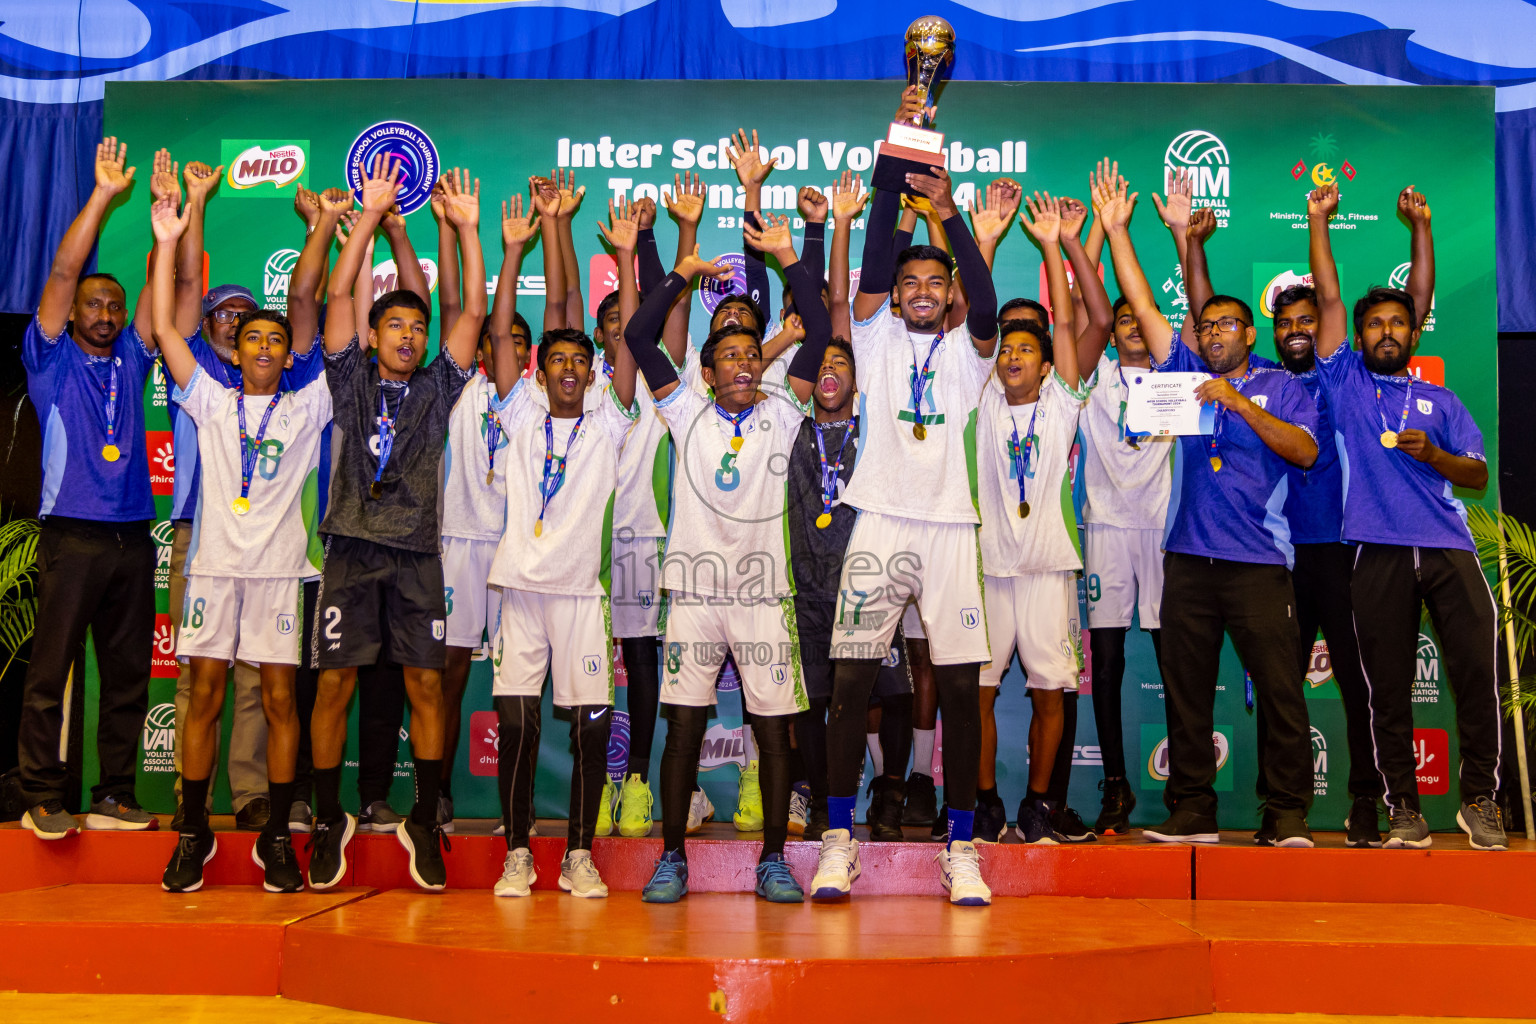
(262,169)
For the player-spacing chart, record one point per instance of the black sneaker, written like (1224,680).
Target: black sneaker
(253,816)
(1034,824)
(1118,802)
(328,851)
(922,801)
(990,823)
(1069,825)
(279,865)
(1291,831)
(1265,836)
(885,810)
(1184,827)
(818,821)
(1363,826)
(424,848)
(940,827)
(185,871)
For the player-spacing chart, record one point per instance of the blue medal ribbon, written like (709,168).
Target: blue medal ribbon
(920,384)
(554,467)
(492,436)
(386,439)
(1020,454)
(1238,383)
(830,472)
(735,420)
(1388,435)
(249,452)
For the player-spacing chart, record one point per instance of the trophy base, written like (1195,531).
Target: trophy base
(896,162)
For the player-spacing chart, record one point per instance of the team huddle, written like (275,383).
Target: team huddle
(862,506)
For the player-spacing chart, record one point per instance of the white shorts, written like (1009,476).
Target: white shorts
(574,629)
(635,586)
(1037,615)
(891,560)
(912,623)
(1125,571)
(763,639)
(472,602)
(258,621)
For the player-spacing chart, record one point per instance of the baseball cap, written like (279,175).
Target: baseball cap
(221,294)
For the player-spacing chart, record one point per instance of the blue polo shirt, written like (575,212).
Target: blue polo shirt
(1389,496)
(70,390)
(1236,513)
(188,480)
(1315,503)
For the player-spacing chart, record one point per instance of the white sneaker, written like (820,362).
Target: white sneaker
(837,867)
(517,874)
(960,871)
(501,830)
(579,877)
(700,810)
(799,812)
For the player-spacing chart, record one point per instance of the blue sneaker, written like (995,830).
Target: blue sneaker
(775,883)
(669,883)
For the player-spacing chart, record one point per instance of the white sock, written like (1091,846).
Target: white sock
(872,741)
(922,750)
(749,748)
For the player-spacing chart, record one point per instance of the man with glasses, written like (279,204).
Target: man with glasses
(1228,553)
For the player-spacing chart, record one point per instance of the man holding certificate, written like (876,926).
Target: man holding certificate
(1228,550)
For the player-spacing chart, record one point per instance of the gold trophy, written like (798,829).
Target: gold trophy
(908,148)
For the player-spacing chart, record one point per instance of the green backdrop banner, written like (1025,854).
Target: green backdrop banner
(1254,150)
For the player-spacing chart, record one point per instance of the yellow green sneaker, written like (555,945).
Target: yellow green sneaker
(749,801)
(605,809)
(635,807)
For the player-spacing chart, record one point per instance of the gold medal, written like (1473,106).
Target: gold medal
(1023,510)
(736,444)
(1389,439)
(240,506)
(919,431)
(824,520)
(538,528)
(1215,463)
(490,477)
(376,490)
(111,453)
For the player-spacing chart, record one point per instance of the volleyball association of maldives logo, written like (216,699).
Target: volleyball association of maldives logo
(275,277)
(1205,157)
(405,144)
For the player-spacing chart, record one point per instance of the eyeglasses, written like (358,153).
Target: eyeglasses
(225,316)
(1226,325)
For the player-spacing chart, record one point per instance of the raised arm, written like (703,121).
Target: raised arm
(59,290)
(813,207)
(991,213)
(322,214)
(814,318)
(647,256)
(621,232)
(517,233)
(408,272)
(1044,225)
(752,171)
(168,229)
(981,318)
(1091,312)
(1421,273)
(379,191)
(1197,273)
(570,202)
(1332,317)
(546,200)
(848,201)
(644,327)
(449,303)
(1174,212)
(686,205)
(1115,214)
(461,200)
(201,180)
(362,284)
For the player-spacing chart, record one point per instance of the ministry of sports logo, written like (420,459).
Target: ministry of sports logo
(405,144)
(275,277)
(1205,157)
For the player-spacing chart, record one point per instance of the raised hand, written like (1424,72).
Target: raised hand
(988,221)
(1044,218)
(912,110)
(848,197)
(546,197)
(201,179)
(111,178)
(691,266)
(774,236)
(381,185)
(623,228)
(517,230)
(461,199)
(168,226)
(793,330)
(1410,204)
(1202,224)
(165,178)
(1324,201)
(436,200)
(645,212)
(307,205)
(937,189)
(1010,194)
(745,158)
(1073,216)
(336,201)
(813,205)
(686,201)
(1113,206)
(1103,181)
(570,196)
(1176,208)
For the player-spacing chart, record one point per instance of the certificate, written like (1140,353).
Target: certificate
(1163,404)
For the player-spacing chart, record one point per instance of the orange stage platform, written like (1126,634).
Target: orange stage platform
(1114,931)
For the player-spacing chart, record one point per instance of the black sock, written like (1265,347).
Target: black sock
(194,803)
(429,780)
(328,794)
(281,795)
(987,796)
(445,787)
(1034,797)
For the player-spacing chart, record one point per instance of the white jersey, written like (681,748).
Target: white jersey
(727,537)
(1123,486)
(276,539)
(898,475)
(645,466)
(570,554)
(473,509)
(1046,539)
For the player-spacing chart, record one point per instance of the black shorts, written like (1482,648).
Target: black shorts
(373,598)
(814,619)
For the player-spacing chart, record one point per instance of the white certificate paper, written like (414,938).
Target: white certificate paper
(1164,404)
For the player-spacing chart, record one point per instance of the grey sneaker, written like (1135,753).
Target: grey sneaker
(517,874)
(1482,823)
(49,820)
(378,817)
(300,817)
(445,814)
(579,877)
(121,813)
(1409,830)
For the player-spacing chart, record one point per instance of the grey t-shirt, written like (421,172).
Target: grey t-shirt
(405,515)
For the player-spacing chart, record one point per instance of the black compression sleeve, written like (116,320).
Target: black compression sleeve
(982,316)
(644,328)
(805,281)
(879,252)
(814,249)
(757,267)
(903,241)
(651,269)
